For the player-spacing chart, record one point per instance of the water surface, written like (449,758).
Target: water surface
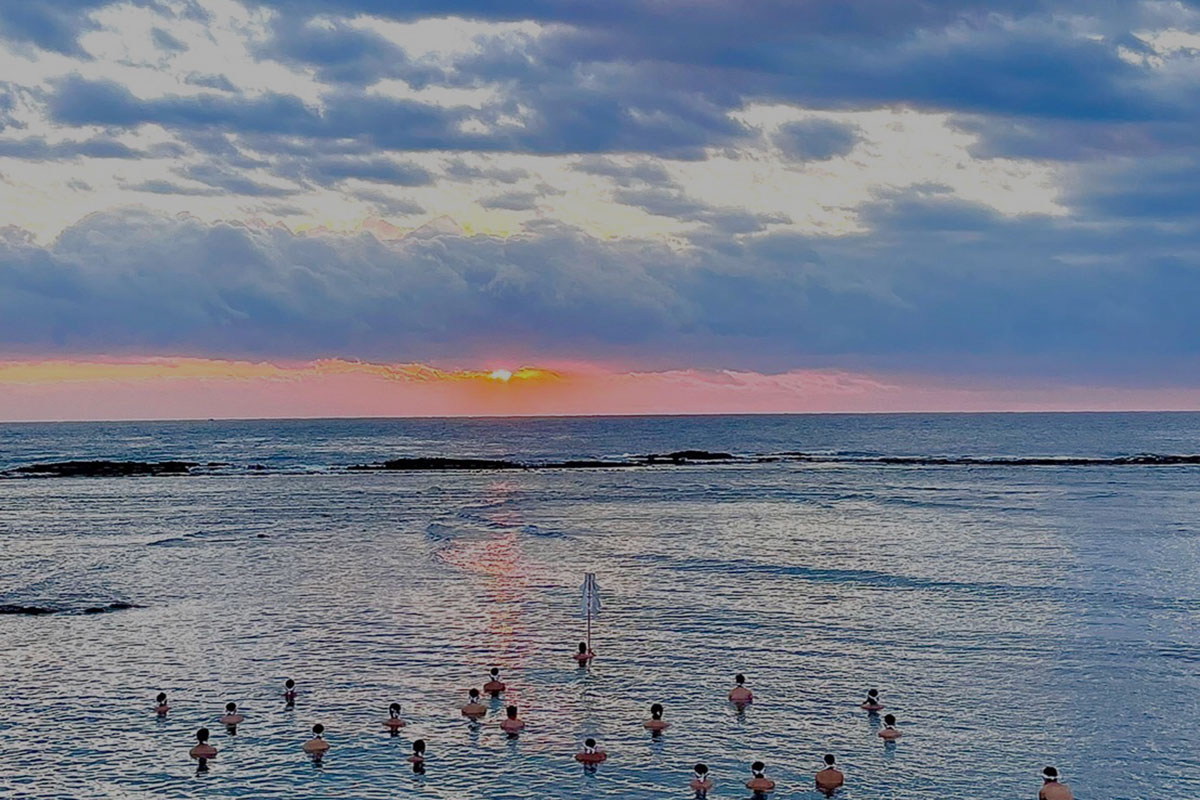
(1011,616)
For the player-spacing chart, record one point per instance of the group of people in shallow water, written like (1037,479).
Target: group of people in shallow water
(828,778)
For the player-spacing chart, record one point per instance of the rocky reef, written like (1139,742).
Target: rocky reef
(104,469)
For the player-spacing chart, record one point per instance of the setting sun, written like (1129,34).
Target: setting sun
(501,375)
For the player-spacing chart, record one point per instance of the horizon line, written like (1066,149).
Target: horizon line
(650,415)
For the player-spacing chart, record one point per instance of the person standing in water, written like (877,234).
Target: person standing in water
(232,718)
(872,703)
(317,745)
(474,709)
(494,686)
(584,655)
(161,708)
(203,750)
(289,691)
(701,783)
(739,694)
(829,777)
(393,721)
(759,783)
(512,725)
(1051,788)
(591,753)
(418,754)
(889,731)
(656,723)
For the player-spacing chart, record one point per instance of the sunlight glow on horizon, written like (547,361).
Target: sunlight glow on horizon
(200,388)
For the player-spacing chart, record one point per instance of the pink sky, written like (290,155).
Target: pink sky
(187,388)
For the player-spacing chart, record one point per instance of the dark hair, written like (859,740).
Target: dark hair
(701,769)
(289,683)
(394,707)
(758,766)
(739,678)
(656,710)
(202,735)
(872,692)
(890,719)
(583,647)
(589,742)
(231,706)
(495,671)
(318,729)
(511,711)
(473,693)
(1050,774)
(419,746)
(162,697)
(829,759)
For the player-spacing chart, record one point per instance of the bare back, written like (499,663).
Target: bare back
(1055,791)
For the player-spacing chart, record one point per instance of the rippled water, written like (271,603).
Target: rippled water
(1011,616)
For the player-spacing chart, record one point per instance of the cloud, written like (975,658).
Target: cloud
(511,201)
(36,147)
(388,204)
(233,182)
(963,289)
(165,41)
(815,140)
(53,25)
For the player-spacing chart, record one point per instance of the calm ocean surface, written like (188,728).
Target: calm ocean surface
(1012,616)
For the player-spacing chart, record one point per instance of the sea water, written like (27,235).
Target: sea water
(1012,616)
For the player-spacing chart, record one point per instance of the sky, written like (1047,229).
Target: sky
(215,208)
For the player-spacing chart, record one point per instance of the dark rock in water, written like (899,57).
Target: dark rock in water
(107,469)
(120,605)
(34,611)
(417,464)
(683,456)
(27,610)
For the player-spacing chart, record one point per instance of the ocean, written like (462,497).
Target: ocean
(1019,589)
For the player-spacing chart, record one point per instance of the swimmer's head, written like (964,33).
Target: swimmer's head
(872,693)
(231,707)
(419,746)
(758,768)
(656,711)
(1049,774)
(474,694)
(511,711)
(162,698)
(701,770)
(318,729)
(829,759)
(589,742)
(394,709)
(289,684)
(889,719)
(739,679)
(495,672)
(202,735)
(583,648)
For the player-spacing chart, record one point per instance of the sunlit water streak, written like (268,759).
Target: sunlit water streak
(1012,617)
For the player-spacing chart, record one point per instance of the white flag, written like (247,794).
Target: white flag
(590,600)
